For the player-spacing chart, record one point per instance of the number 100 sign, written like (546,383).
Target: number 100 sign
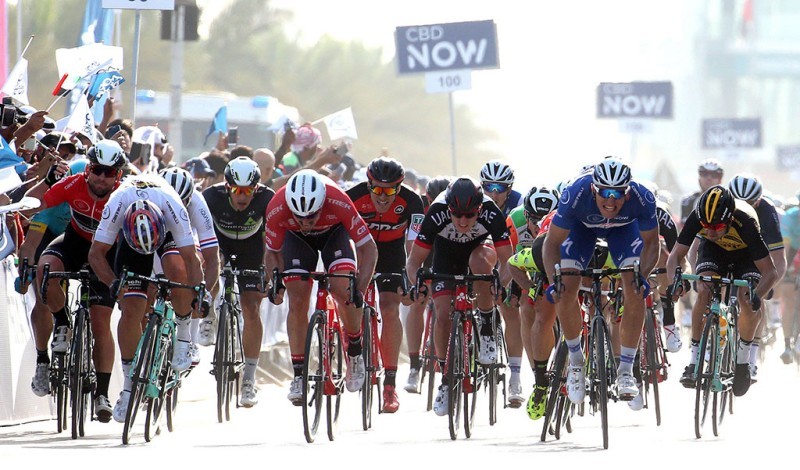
(447,81)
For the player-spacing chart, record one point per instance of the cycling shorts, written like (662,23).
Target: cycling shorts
(301,252)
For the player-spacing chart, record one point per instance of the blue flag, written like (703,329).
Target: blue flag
(219,124)
(9,158)
(104,82)
(98,23)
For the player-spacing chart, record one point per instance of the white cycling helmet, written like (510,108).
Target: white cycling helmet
(242,171)
(107,152)
(496,171)
(305,193)
(611,173)
(180,180)
(745,186)
(540,201)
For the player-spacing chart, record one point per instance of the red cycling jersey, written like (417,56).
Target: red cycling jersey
(337,210)
(86,209)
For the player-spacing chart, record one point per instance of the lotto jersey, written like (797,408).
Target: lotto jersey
(744,232)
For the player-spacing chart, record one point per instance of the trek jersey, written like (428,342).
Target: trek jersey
(744,232)
(57,218)
(337,210)
(150,187)
(86,210)
(770,224)
(438,225)
(578,206)
(405,214)
(237,225)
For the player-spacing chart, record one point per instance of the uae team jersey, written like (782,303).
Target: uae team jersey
(438,225)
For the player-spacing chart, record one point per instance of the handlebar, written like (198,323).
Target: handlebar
(259,273)
(425,275)
(319,277)
(163,282)
(403,276)
(84,276)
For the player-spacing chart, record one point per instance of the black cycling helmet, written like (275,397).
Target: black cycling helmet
(436,186)
(715,206)
(386,170)
(540,201)
(464,195)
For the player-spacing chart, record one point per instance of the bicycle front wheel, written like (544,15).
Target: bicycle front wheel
(313,376)
(601,355)
(155,405)
(705,373)
(142,365)
(78,375)
(456,355)
(60,387)
(366,353)
(336,361)
(557,380)
(429,359)
(651,356)
(222,351)
(497,376)
(475,374)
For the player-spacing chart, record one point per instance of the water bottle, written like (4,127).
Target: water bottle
(723,330)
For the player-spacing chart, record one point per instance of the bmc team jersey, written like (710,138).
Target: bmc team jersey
(406,212)
(86,210)
(743,232)
(152,188)
(231,224)
(337,210)
(437,224)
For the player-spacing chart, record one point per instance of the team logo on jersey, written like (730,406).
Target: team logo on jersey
(399,209)
(595,218)
(416,222)
(106,212)
(82,206)
(565,196)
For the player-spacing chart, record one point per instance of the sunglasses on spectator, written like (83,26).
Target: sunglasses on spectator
(246,190)
(611,193)
(378,190)
(102,170)
(463,215)
(496,187)
(714,227)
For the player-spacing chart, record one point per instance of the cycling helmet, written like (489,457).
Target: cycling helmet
(305,193)
(745,186)
(496,171)
(180,180)
(715,206)
(710,165)
(107,152)
(541,201)
(242,171)
(143,227)
(385,170)
(436,186)
(464,195)
(611,173)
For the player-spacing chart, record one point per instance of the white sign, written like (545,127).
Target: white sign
(447,81)
(140,4)
(635,126)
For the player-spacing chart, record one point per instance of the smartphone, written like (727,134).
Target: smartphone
(112,131)
(341,150)
(233,136)
(9,116)
(288,125)
(140,150)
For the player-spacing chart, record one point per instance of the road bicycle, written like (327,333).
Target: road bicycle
(323,366)
(228,362)
(81,375)
(463,373)
(429,364)
(653,362)
(716,358)
(154,382)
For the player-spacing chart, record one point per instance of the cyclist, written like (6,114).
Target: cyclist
(608,204)
(238,206)
(393,213)
(537,318)
(415,320)
(456,228)
(308,216)
(497,180)
(206,239)
(152,218)
(730,239)
(790,227)
(86,194)
(748,188)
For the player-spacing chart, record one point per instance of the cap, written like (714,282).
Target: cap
(710,165)
(306,136)
(198,167)
(58,138)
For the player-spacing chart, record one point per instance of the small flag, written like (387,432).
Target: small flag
(10,158)
(66,84)
(219,124)
(341,124)
(82,119)
(16,85)
(104,82)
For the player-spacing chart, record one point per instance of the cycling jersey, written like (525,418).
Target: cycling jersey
(57,218)
(202,221)
(231,224)
(744,232)
(86,209)
(790,227)
(770,224)
(437,225)
(687,205)
(153,188)
(666,224)
(517,224)
(513,201)
(404,215)
(337,210)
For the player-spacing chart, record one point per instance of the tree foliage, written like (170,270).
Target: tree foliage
(248,52)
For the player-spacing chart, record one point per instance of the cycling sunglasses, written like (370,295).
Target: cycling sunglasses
(378,190)
(611,193)
(463,215)
(533,218)
(307,217)
(246,190)
(496,187)
(102,170)
(714,227)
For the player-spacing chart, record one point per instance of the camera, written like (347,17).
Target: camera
(9,116)
(140,150)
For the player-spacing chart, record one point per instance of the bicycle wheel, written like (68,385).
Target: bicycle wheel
(727,366)
(497,375)
(476,374)
(59,386)
(429,359)
(141,367)
(334,400)
(705,375)
(76,376)
(601,355)
(456,355)
(313,375)
(366,353)
(651,356)
(155,405)
(557,377)
(222,363)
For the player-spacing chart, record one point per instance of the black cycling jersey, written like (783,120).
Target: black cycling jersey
(743,233)
(437,225)
(687,205)
(666,224)
(230,224)
(770,224)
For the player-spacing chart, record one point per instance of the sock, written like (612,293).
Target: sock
(42,357)
(61,318)
(103,379)
(442,364)
(250,365)
(183,326)
(415,362)
(515,364)
(575,353)
(126,372)
(754,351)
(743,352)
(195,328)
(626,360)
(354,344)
(389,375)
(669,311)
(693,352)
(297,364)
(540,373)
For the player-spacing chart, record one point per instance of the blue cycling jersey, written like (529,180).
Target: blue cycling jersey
(790,227)
(513,201)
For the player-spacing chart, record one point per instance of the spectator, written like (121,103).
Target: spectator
(217,161)
(266,164)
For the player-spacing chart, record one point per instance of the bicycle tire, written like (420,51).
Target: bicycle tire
(334,401)
(702,380)
(497,375)
(155,405)
(653,365)
(557,375)
(236,358)
(429,358)
(366,353)
(313,376)
(476,376)
(600,366)
(76,377)
(221,369)
(141,367)
(58,377)
(455,374)
(172,407)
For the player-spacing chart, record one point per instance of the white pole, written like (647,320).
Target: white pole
(176,83)
(137,35)
(452,133)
